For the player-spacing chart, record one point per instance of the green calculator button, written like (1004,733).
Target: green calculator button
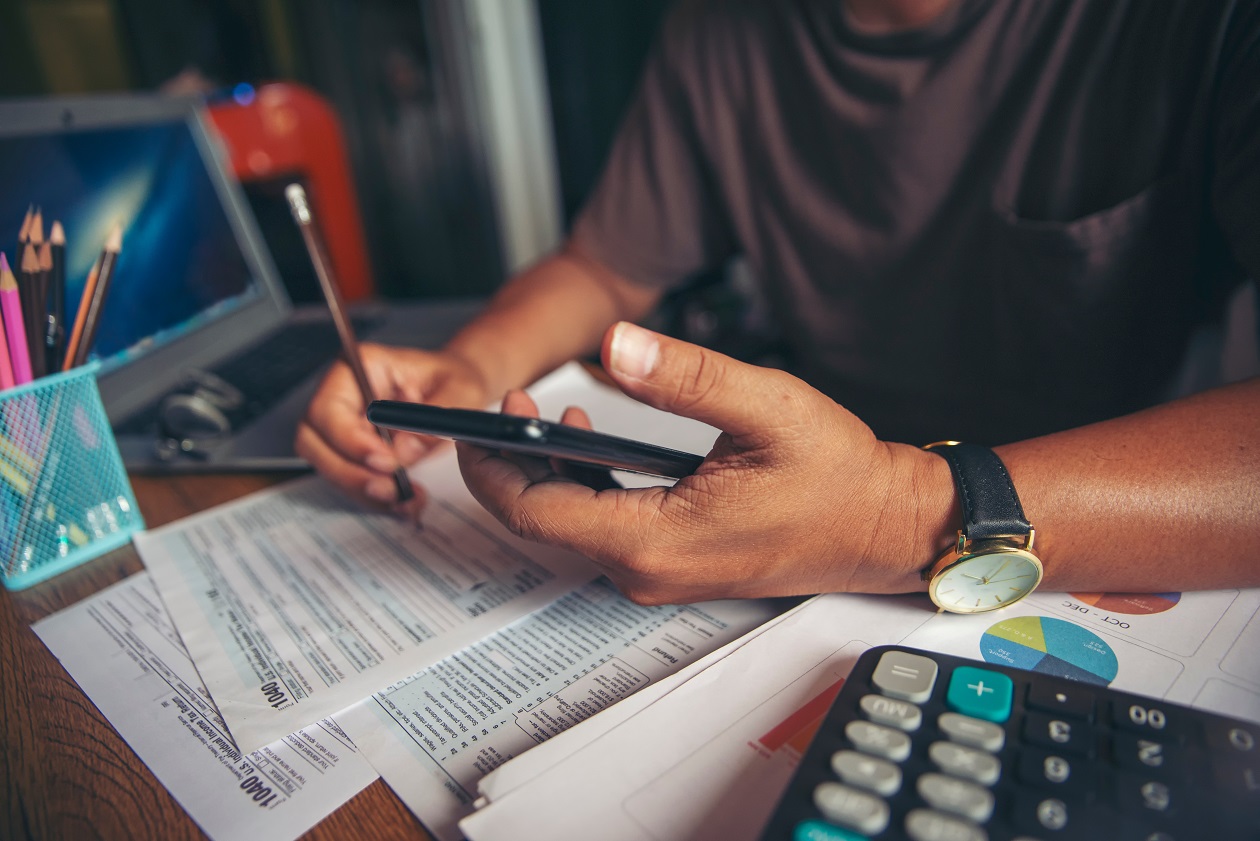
(820,831)
(980,693)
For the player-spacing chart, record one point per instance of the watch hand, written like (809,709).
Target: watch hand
(973,577)
(997,571)
(1000,580)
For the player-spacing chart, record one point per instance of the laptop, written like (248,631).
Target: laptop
(205,364)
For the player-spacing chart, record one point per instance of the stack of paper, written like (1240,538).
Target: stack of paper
(331,644)
(708,757)
(443,651)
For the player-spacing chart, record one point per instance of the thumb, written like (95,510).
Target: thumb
(695,382)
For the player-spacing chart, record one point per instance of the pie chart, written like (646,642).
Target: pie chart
(1050,646)
(1133,604)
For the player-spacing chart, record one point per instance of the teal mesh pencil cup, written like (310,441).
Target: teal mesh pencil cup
(64,495)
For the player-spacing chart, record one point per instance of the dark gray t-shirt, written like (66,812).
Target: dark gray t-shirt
(1003,224)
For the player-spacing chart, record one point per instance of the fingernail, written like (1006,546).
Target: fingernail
(381,463)
(634,350)
(381,490)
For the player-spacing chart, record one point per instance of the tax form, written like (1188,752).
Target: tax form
(121,648)
(295,603)
(434,735)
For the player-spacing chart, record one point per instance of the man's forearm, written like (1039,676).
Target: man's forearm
(1163,500)
(553,312)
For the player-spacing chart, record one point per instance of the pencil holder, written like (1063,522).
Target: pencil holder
(64,495)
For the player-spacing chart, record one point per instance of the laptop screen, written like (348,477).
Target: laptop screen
(192,283)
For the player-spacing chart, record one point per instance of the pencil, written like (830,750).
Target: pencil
(35,234)
(92,320)
(35,297)
(14,325)
(6,364)
(80,316)
(24,233)
(349,345)
(55,339)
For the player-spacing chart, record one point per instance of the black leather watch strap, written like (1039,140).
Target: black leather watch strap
(990,506)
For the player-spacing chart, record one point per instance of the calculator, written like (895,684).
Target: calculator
(934,747)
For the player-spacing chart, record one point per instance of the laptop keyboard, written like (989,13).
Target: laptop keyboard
(267,371)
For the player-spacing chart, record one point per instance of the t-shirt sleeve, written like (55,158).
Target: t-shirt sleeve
(655,216)
(1236,186)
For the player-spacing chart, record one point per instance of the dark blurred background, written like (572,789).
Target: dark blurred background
(403,75)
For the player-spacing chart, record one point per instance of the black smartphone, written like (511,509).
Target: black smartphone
(534,437)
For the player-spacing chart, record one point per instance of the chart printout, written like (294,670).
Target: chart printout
(434,735)
(121,648)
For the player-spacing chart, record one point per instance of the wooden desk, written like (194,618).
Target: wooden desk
(65,772)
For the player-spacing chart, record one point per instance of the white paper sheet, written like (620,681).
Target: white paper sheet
(295,603)
(434,735)
(709,759)
(121,648)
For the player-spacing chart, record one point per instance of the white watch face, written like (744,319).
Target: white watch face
(987,581)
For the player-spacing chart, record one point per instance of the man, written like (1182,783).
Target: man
(999,222)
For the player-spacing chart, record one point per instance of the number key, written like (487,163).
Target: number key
(1058,733)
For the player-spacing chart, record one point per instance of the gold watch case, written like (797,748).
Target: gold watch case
(982,575)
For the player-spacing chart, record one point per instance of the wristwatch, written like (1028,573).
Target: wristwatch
(992,564)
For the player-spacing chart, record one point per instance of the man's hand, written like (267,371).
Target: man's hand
(797,495)
(337,439)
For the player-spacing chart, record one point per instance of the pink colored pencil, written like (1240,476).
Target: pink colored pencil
(14,327)
(6,366)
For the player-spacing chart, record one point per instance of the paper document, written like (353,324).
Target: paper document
(295,603)
(121,648)
(434,735)
(709,759)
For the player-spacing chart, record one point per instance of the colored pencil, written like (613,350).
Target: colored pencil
(24,233)
(80,316)
(55,338)
(6,364)
(109,258)
(14,324)
(33,287)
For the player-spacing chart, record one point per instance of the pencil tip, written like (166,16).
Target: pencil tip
(114,243)
(24,232)
(37,227)
(30,259)
(45,256)
(4,263)
(58,234)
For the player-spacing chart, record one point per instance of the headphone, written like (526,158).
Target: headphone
(193,420)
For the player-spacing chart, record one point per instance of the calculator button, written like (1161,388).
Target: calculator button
(1240,783)
(1150,718)
(890,711)
(962,761)
(927,825)
(1140,754)
(1144,795)
(821,831)
(980,693)
(1069,701)
(909,677)
(877,740)
(852,808)
(1044,816)
(1068,776)
(971,731)
(1059,733)
(1234,739)
(950,794)
(858,769)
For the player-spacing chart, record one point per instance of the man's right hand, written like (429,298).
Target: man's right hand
(337,439)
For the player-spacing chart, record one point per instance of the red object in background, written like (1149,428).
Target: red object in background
(290,132)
